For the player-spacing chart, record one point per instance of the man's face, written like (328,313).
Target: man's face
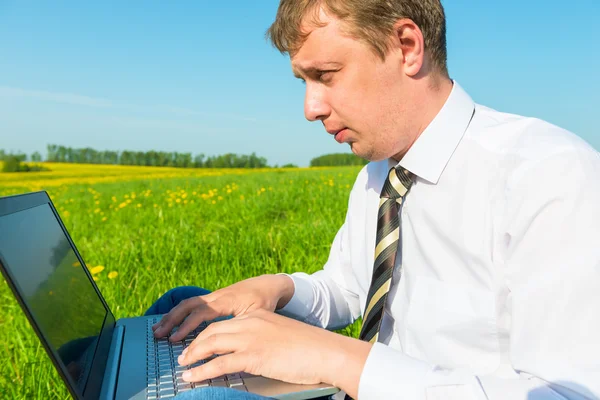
(357,96)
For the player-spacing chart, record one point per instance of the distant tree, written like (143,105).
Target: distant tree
(52,150)
(61,154)
(289,166)
(2,155)
(199,161)
(70,155)
(11,164)
(36,157)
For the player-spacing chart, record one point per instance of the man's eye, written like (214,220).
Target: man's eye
(325,76)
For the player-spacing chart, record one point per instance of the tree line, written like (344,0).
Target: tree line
(152,158)
(337,159)
(87,155)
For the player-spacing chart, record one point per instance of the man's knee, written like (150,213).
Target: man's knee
(178,294)
(173,297)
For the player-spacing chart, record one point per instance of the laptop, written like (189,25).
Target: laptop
(97,356)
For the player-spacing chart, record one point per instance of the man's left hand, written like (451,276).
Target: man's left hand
(270,345)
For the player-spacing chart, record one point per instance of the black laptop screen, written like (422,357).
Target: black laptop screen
(54,286)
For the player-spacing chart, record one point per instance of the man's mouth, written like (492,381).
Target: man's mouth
(340,135)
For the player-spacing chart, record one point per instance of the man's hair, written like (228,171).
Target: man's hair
(371,21)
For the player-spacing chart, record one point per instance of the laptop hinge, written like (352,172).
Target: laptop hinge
(109,383)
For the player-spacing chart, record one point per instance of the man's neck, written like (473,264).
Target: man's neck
(429,105)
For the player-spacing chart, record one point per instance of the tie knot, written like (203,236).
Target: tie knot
(398,182)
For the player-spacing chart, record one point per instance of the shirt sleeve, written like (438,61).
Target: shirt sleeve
(552,267)
(328,298)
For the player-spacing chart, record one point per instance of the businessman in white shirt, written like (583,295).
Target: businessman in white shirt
(471,241)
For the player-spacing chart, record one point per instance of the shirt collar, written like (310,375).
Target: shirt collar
(430,153)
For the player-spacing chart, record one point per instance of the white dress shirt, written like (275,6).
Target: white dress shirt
(498,294)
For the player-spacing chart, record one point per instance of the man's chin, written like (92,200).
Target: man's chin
(366,154)
(362,153)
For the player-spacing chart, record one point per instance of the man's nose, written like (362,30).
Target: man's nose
(315,104)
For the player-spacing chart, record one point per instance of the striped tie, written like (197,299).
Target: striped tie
(388,235)
(393,192)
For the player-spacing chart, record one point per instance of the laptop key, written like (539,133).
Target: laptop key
(218,384)
(183,385)
(235,382)
(166,382)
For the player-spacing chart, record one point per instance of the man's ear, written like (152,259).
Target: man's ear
(409,39)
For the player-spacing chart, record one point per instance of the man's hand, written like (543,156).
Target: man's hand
(268,344)
(267,292)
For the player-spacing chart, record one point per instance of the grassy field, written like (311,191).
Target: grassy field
(144,230)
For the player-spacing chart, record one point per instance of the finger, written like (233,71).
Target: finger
(217,344)
(203,339)
(175,316)
(199,315)
(222,365)
(244,324)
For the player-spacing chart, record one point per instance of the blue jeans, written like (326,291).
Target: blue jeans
(162,306)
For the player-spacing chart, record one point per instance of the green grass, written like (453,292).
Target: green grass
(285,222)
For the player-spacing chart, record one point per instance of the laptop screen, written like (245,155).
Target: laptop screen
(54,286)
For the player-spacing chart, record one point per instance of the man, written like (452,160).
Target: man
(469,246)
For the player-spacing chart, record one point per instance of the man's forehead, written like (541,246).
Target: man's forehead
(321,48)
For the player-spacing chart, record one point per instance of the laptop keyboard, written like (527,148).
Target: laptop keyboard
(164,373)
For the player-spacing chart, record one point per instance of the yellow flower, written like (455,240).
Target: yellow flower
(95,278)
(97,270)
(112,274)
(103,219)
(122,205)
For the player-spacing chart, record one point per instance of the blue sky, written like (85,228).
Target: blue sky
(199,76)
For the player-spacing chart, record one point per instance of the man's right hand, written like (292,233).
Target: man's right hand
(268,292)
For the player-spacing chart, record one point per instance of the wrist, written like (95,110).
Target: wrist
(286,289)
(346,361)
